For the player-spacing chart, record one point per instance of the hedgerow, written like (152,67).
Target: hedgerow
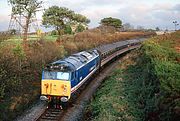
(147,89)
(166,68)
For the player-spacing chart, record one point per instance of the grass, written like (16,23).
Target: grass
(50,37)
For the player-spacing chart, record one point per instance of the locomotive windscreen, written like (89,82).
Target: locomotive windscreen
(56,75)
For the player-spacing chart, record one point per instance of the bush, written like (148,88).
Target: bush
(20,74)
(54,32)
(164,65)
(4,36)
(80,28)
(147,90)
(67,29)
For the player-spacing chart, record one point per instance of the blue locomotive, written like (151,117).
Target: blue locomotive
(62,78)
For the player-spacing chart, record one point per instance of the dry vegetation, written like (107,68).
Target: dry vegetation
(93,38)
(4,36)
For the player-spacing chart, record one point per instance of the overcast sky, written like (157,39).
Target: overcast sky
(147,13)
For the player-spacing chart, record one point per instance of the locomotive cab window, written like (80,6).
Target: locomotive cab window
(56,75)
(63,76)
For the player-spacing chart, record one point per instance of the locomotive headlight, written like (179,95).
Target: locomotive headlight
(64,99)
(44,98)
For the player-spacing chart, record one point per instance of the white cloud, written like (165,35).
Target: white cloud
(146,13)
(95,14)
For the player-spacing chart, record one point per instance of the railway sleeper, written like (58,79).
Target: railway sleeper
(49,118)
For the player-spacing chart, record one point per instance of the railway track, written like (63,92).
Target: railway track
(51,114)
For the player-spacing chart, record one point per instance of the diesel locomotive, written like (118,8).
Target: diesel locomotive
(62,78)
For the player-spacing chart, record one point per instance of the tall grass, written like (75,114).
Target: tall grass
(95,37)
(92,38)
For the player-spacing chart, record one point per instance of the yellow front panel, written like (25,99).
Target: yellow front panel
(56,88)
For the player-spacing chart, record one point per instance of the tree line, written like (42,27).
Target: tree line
(60,18)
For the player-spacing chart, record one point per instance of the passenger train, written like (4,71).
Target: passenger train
(62,78)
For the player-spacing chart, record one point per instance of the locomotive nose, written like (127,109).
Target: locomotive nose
(55,88)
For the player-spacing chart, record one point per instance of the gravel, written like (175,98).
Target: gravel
(33,113)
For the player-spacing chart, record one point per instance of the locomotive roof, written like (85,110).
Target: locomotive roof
(76,60)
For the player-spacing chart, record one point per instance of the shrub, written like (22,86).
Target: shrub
(162,57)
(4,36)
(67,29)
(19,55)
(80,28)
(54,32)
(20,73)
